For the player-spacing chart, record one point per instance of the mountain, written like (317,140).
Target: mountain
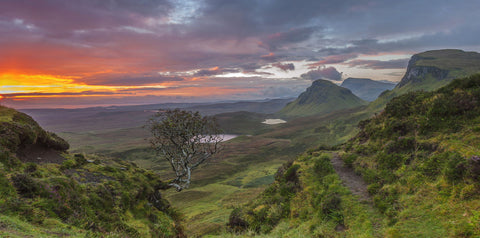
(439,67)
(366,89)
(321,97)
(419,167)
(431,70)
(48,192)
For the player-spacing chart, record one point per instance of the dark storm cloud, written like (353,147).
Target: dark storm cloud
(214,71)
(277,40)
(61,17)
(379,64)
(323,73)
(218,32)
(284,67)
(333,59)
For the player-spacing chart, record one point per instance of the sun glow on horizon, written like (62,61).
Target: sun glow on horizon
(30,86)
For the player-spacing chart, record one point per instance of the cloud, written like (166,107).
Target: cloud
(379,64)
(214,71)
(284,67)
(333,59)
(278,40)
(323,73)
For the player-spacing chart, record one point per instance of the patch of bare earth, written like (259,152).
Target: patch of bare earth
(351,180)
(39,154)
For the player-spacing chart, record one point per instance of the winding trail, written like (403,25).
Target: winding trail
(351,180)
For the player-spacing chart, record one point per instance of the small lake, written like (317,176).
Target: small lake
(273,121)
(227,137)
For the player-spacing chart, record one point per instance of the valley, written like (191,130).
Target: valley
(292,167)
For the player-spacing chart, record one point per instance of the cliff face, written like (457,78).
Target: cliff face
(431,70)
(440,65)
(416,74)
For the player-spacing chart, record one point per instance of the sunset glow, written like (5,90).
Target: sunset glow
(66,53)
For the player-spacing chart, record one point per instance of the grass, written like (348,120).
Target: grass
(453,60)
(6,114)
(13,226)
(74,194)
(106,141)
(304,214)
(242,171)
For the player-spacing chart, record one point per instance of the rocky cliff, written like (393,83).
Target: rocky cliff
(442,66)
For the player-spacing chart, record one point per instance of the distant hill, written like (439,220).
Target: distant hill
(321,97)
(431,70)
(366,89)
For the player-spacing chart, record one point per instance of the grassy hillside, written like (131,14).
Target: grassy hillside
(321,98)
(48,192)
(419,158)
(307,199)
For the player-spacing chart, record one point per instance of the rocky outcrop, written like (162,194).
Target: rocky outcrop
(416,74)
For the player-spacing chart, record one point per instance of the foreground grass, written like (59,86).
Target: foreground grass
(14,227)
(307,200)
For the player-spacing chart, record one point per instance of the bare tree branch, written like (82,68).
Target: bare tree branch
(186,140)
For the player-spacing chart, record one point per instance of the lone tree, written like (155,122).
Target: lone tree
(186,140)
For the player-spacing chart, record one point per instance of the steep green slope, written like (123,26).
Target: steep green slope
(307,199)
(46,192)
(366,89)
(420,158)
(431,70)
(321,97)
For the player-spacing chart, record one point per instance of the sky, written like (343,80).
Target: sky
(78,53)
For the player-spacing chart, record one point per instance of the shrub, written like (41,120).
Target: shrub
(322,166)
(236,223)
(291,173)
(389,161)
(349,159)
(69,164)
(8,160)
(469,191)
(6,189)
(474,168)
(30,168)
(455,167)
(25,185)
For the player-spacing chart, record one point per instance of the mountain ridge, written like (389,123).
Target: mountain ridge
(321,97)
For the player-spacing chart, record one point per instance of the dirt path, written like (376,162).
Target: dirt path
(353,181)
